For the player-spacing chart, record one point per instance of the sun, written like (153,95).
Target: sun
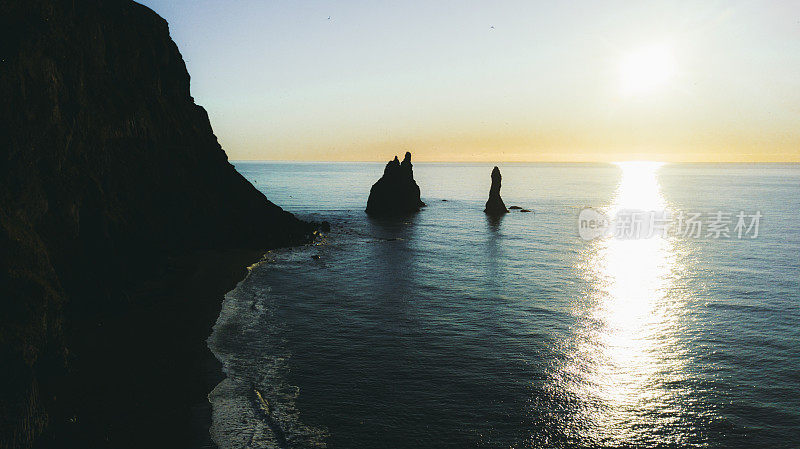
(646,69)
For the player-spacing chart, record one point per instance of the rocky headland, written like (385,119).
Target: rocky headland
(122,225)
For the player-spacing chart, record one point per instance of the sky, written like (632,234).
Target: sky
(496,81)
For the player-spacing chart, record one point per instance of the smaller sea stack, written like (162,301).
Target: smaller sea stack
(396,193)
(495,204)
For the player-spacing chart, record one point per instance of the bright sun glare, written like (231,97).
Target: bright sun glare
(638,188)
(632,346)
(646,69)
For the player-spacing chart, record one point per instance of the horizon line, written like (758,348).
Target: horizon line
(432,161)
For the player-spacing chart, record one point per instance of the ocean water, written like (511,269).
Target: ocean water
(450,330)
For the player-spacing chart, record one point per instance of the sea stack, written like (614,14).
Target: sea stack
(396,193)
(495,204)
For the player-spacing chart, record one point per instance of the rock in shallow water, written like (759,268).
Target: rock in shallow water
(396,193)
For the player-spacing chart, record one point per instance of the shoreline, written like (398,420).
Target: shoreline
(234,271)
(120,219)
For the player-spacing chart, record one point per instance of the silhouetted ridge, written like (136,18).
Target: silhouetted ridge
(495,204)
(109,174)
(396,193)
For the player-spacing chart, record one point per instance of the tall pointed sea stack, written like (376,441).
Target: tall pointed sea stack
(495,204)
(396,193)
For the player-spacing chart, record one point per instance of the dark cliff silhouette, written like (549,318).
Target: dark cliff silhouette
(122,224)
(495,204)
(396,193)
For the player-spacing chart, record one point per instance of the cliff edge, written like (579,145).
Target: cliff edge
(112,187)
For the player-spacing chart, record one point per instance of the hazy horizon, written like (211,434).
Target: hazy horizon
(509,82)
(390,156)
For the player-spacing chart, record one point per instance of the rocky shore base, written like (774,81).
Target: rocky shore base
(140,376)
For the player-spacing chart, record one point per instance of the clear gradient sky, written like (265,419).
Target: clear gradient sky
(495,80)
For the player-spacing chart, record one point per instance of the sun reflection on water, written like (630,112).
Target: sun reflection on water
(627,351)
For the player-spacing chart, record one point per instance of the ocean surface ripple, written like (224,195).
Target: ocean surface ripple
(447,329)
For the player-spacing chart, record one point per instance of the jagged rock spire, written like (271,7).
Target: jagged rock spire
(396,193)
